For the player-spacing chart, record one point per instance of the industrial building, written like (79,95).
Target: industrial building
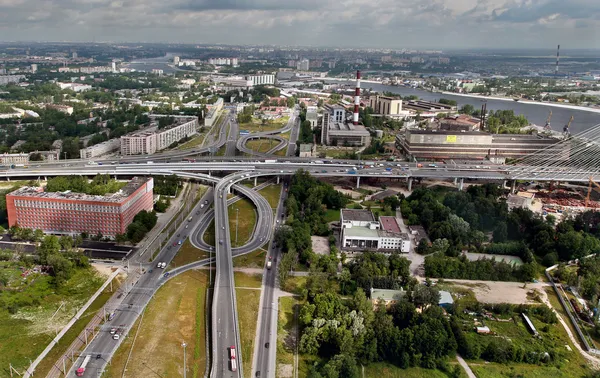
(336,130)
(267,79)
(385,105)
(360,231)
(443,144)
(74,213)
(213,113)
(429,107)
(149,141)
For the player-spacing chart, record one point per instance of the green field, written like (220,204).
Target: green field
(246,219)
(261,145)
(176,314)
(187,254)
(243,280)
(272,193)
(385,370)
(248,301)
(255,259)
(35,321)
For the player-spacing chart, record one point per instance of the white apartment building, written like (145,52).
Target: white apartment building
(149,141)
(7,79)
(261,79)
(100,149)
(21,158)
(213,113)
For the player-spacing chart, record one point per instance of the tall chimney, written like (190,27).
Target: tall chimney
(356,98)
(557,57)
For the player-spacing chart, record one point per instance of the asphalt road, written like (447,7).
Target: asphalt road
(232,137)
(136,299)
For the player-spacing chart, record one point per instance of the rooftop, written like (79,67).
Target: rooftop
(357,215)
(306,147)
(126,191)
(390,224)
(445,298)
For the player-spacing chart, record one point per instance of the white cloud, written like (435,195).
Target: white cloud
(382,23)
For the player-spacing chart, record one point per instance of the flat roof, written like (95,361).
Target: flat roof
(390,224)
(446,132)
(357,215)
(126,191)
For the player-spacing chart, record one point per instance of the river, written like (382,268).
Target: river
(536,113)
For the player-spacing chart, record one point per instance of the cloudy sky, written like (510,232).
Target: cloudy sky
(377,23)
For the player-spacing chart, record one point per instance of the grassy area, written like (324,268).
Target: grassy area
(209,235)
(36,324)
(13,183)
(246,219)
(187,254)
(257,125)
(194,142)
(261,145)
(385,370)
(553,299)
(494,370)
(222,151)
(272,193)
(247,280)
(255,259)
(175,314)
(332,216)
(294,284)
(248,301)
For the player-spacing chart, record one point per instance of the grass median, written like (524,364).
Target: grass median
(255,259)
(245,221)
(175,315)
(188,254)
(261,145)
(272,193)
(248,301)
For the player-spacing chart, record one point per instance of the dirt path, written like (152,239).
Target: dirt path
(591,359)
(466,367)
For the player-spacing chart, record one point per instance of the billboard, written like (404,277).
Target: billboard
(450,138)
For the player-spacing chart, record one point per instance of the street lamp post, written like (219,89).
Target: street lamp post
(184,371)
(237,216)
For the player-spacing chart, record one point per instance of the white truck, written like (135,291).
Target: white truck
(81,368)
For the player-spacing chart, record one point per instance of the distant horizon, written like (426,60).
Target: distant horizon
(563,49)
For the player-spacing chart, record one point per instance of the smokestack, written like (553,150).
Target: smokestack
(557,57)
(356,98)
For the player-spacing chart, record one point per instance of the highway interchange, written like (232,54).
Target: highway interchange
(224,330)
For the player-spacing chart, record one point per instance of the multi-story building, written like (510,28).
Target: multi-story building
(303,65)
(74,213)
(267,79)
(385,105)
(336,131)
(213,113)
(443,144)
(61,108)
(233,81)
(34,68)
(312,116)
(360,231)
(8,159)
(148,142)
(8,79)
(100,149)
(96,69)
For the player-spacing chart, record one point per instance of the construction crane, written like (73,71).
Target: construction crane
(547,125)
(566,128)
(587,198)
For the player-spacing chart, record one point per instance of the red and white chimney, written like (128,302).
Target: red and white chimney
(356,98)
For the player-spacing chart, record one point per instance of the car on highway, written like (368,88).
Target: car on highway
(221,241)
(113,331)
(179,242)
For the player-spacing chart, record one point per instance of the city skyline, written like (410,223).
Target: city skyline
(434,24)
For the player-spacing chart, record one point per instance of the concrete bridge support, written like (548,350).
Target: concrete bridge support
(513,187)
(278,180)
(504,184)
(410,181)
(461,184)
(255,180)
(358,182)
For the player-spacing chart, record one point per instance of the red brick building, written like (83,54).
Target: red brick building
(74,213)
